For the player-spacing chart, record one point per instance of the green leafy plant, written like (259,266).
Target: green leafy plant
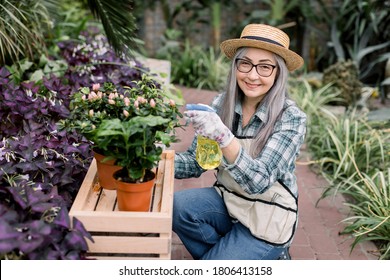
(194,66)
(127,126)
(22,26)
(352,144)
(314,103)
(358,32)
(345,77)
(90,106)
(370,203)
(25,24)
(213,70)
(352,154)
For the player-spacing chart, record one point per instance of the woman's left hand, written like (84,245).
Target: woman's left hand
(209,124)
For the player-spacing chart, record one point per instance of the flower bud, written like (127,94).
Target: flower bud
(95,87)
(136,104)
(100,94)
(83,97)
(141,100)
(92,96)
(112,102)
(126,113)
(90,113)
(152,103)
(172,103)
(111,96)
(127,101)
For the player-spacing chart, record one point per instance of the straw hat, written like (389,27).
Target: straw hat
(264,37)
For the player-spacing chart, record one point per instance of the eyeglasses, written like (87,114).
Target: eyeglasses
(245,66)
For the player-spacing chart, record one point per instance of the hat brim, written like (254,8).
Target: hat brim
(292,59)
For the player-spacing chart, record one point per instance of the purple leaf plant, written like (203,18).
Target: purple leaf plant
(41,166)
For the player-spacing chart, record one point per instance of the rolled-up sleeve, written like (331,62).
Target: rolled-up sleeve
(186,165)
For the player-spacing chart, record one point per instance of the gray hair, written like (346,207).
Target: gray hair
(274,101)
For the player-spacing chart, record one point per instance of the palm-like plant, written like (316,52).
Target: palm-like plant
(24,24)
(118,23)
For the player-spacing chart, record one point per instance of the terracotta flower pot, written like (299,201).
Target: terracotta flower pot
(105,171)
(134,196)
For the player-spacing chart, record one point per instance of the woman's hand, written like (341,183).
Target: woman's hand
(209,124)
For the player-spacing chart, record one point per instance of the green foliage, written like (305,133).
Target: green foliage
(28,28)
(26,70)
(353,155)
(118,23)
(22,27)
(126,124)
(357,31)
(345,77)
(371,207)
(193,66)
(279,9)
(351,144)
(71,18)
(313,103)
(133,143)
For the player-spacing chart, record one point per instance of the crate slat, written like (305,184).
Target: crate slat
(126,244)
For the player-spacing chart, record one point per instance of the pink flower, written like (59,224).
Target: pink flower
(95,87)
(112,102)
(126,113)
(141,100)
(172,103)
(111,96)
(100,94)
(83,97)
(127,101)
(136,104)
(152,103)
(92,96)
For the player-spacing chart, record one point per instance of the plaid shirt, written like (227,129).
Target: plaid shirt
(275,162)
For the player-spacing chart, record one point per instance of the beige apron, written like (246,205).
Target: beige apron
(270,216)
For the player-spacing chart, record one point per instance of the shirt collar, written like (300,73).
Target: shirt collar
(260,112)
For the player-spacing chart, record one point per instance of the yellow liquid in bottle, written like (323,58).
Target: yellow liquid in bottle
(208,153)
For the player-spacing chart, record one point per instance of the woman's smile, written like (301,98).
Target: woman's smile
(252,85)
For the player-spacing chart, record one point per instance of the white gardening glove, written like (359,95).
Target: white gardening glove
(207,123)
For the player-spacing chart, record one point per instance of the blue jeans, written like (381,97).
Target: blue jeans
(202,222)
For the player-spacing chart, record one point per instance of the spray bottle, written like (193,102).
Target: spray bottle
(208,152)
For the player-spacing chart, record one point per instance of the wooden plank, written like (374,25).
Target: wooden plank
(123,222)
(86,195)
(159,186)
(168,183)
(107,200)
(125,244)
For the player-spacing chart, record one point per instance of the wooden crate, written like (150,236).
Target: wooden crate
(127,235)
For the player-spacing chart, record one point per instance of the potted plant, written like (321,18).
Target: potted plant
(127,125)
(89,107)
(136,139)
